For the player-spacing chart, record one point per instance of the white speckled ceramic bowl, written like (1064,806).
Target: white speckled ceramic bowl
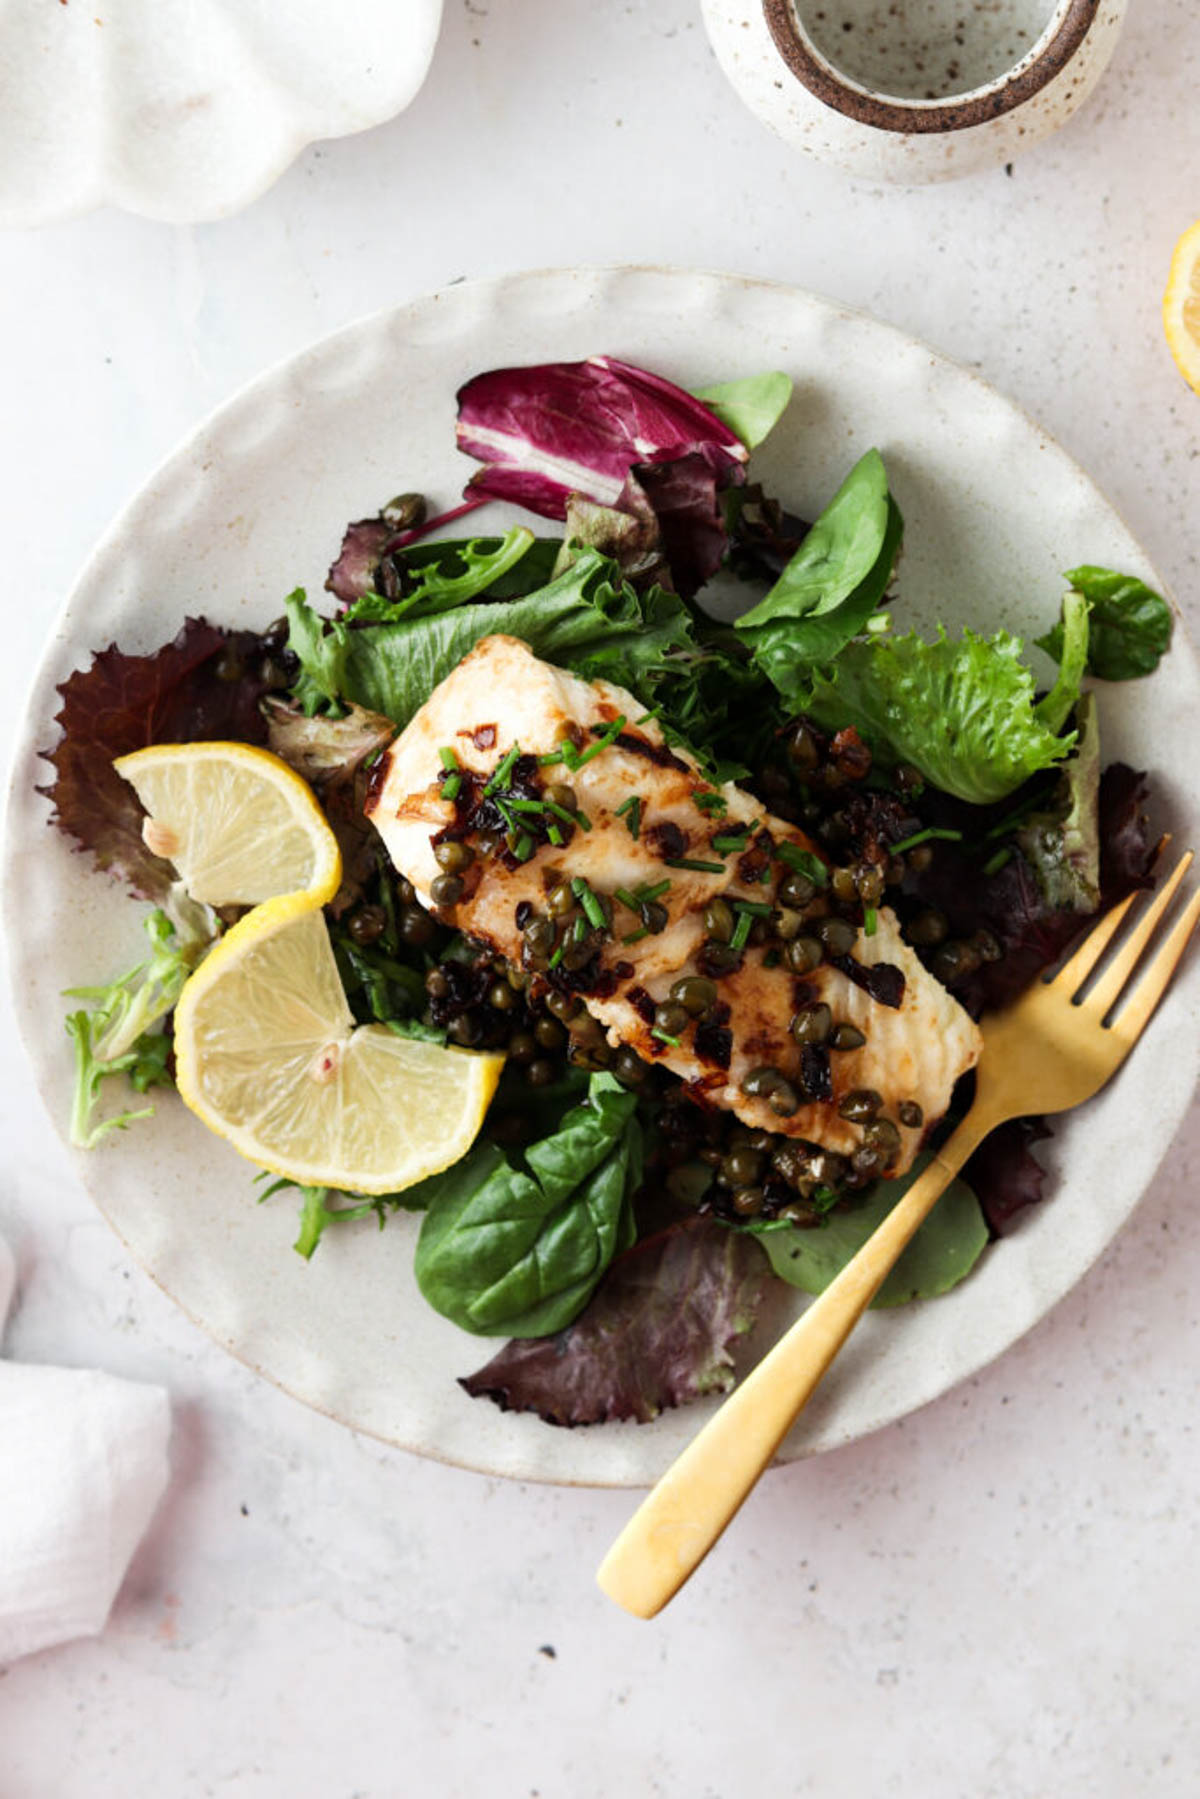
(255,501)
(188,109)
(913,90)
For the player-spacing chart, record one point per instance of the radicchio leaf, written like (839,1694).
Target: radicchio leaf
(555,429)
(203,685)
(1002,1173)
(363,545)
(657,1333)
(683,495)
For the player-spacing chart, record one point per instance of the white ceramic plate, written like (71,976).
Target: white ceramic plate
(189,109)
(255,502)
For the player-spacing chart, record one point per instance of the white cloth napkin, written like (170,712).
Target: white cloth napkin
(83,1464)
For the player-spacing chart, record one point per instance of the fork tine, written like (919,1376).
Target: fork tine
(1134,1015)
(1116,975)
(1074,973)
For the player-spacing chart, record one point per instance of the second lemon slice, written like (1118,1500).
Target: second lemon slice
(238,824)
(268,1056)
(1181,306)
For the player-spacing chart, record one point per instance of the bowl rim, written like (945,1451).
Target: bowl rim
(1042,63)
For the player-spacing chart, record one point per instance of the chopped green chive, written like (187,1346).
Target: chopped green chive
(451,786)
(578,931)
(665,1037)
(526,805)
(870,921)
(729,842)
(701,868)
(754,908)
(804,862)
(568,817)
(741,931)
(930,831)
(633,823)
(646,894)
(522,849)
(628,899)
(593,910)
(602,742)
(636,936)
(557,957)
(711,802)
(448,758)
(995,863)
(504,770)
(555,836)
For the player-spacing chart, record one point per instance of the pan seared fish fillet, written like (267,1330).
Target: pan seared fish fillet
(502,695)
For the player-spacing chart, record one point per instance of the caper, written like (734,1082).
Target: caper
(785,923)
(275,636)
(229,665)
(796,889)
(274,673)
(563,796)
(803,954)
(801,1216)
(549,1034)
(837,934)
(501,996)
(748,1201)
(465,1030)
(576,956)
(742,1168)
(522,1047)
(416,928)
(437,983)
(758,1082)
(846,1036)
(586,1030)
(671,1018)
(828,1168)
(446,890)
(488,842)
(539,937)
(868,1160)
(516,977)
(870,883)
(720,958)
(988,946)
(628,1068)
(695,994)
(563,1005)
(920,858)
(405,511)
(910,1113)
(803,751)
(656,918)
(844,885)
(541,1072)
(812,1023)
(783,1099)
(367,925)
(882,1135)
(560,900)
(953,961)
(406,893)
(860,1105)
(927,928)
(719,921)
(894,871)
(454,856)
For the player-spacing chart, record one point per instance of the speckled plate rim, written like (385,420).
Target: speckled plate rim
(254,501)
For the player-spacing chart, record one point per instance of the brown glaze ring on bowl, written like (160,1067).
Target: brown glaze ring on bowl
(913,116)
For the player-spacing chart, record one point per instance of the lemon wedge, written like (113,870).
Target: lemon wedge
(270,1058)
(239,825)
(1181,306)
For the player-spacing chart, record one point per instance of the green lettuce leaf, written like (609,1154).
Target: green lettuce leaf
(942,1253)
(1061,841)
(834,581)
(751,407)
(1055,709)
(517,1251)
(1130,624)
(962,712)
(474,568)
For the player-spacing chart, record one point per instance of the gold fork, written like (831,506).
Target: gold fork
(1054,1048)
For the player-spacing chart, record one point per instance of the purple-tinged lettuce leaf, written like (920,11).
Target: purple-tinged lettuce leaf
(1003,1175)
(363,547)
(657,1333)
(684,497)
(203,685)
(555,429)
(325,751)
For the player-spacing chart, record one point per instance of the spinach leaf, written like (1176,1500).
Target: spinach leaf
(517,1251)
(834,581)
(942,1253)
(751,407)
(1130,624)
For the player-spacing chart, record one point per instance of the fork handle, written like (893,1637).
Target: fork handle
(677,1524)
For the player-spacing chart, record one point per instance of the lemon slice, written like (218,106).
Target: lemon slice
(268,1056)
(1181,306)
(239,825)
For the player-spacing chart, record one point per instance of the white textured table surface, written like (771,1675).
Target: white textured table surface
(997,1597)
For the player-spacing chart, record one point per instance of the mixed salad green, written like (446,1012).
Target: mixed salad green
(594,1222)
